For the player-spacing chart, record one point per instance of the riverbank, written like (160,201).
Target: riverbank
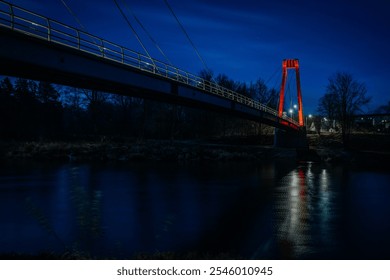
(148,150)
(79,255)
(365,148)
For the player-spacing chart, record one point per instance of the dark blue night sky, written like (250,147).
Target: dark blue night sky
(248,39)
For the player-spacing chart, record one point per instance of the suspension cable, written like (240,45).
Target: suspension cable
(277,70)
(134,31)
(289,93)
(274,81)
(73,14)
(76,18)
(146,31)
(186,34)
(277,83)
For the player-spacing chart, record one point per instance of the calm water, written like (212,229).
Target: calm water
(252,210)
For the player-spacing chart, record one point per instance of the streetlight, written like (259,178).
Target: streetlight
(291,112)
(295,107)
(310,116)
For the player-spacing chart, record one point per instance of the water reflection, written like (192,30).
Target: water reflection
(303,207)
(87,204)
(262,210)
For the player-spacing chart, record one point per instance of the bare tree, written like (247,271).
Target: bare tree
(346,97)
(260,92)
(73,99)
(326,106)
(95,97)
(206,75)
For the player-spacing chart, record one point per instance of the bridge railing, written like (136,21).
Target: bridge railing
(32,24)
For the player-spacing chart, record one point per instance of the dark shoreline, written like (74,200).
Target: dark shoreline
(365,149)
(148,150)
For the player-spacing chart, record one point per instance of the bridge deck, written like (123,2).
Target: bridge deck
(37,47)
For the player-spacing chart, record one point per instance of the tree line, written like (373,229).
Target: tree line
(344,98)
(39,110)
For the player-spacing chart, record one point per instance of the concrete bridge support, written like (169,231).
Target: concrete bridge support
(291,139)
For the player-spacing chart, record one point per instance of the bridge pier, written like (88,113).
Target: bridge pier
(291,139)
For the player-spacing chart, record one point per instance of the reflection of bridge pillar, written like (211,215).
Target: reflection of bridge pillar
(290,139)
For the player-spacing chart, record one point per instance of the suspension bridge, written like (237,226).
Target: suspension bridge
(37,47)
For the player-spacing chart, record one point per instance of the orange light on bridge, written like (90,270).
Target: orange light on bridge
(291,64)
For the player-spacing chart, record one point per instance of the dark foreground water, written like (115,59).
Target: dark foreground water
(248,210)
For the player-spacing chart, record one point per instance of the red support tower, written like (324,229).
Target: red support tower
(289,64)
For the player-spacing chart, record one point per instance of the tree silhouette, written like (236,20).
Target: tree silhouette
(260,92)
(7,108)
(47,94)
(32,110)
(50,110)
(347,97)
(6,87)
(383,109)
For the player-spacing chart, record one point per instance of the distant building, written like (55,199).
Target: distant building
(373,123)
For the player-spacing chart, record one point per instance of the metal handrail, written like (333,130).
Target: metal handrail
(32,24)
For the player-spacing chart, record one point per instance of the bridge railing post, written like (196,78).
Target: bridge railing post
(48,29)
(203,81)
(11,9)
(102,48)
(78,39)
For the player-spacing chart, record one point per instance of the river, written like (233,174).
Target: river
(271,210)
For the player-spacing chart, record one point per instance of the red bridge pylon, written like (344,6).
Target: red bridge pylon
(291,64)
